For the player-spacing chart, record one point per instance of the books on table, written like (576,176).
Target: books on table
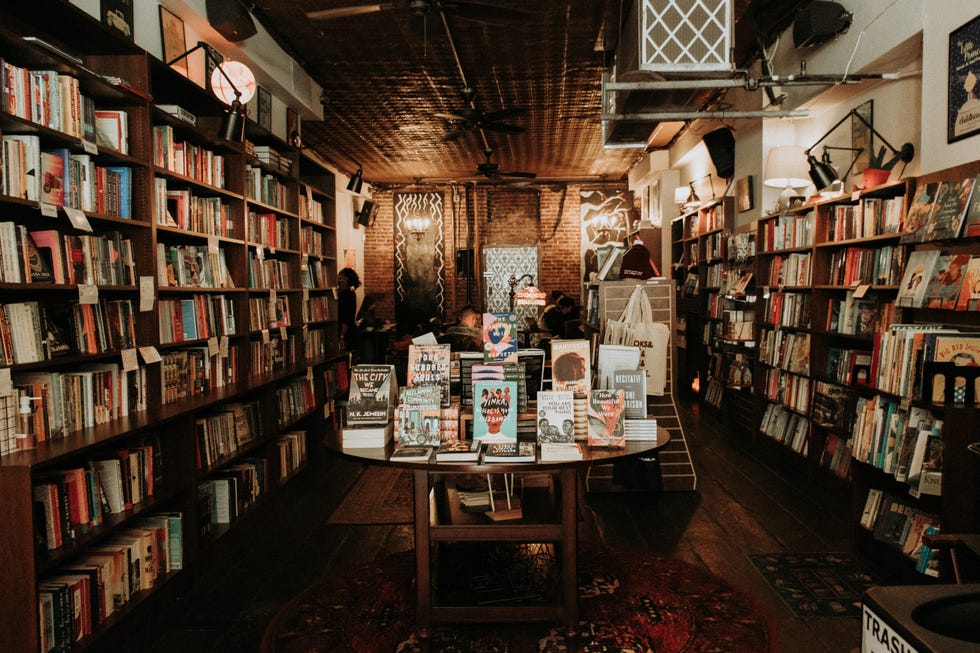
(633,383)
(373,389)
(459,451)
(640,430)
(571,365)
(411,452)
(366,437)
(500,337)
(509,452)
(495,410)
(556,416)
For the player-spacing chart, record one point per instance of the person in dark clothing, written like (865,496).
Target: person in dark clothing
(347,283)
(554,316)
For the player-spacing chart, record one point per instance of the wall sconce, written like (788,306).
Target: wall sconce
(418,225)
(354,184)
(786,169)
(231,82)
(693,199)
(822,172)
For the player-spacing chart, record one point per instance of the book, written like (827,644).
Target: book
(419,415)
(606,410)
(428,364)
(415,452)
(509,452)
(52,179)
(571,365)
(915,280)
(919,215)
(952,200)
(633,383)
(971,220)
(371,437)
(459,451)
(615,357)
(960,349)
(500,337)
(947,280)
(495,410)
(556,416)
(969,297)
(557,451)
(372,392)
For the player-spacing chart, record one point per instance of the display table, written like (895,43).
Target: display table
(437,518)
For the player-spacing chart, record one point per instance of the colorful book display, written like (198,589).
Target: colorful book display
(606,415)
(495,410)
(500,337)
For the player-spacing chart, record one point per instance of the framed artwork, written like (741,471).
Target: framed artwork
(743,193)
(862,136)
(963,101)
(264,108)
(118,14)
(211,61)
(173,38)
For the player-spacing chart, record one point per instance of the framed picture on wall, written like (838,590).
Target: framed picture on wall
(264,108)
(743,193)
(963,101)
(173,38)
(118,14)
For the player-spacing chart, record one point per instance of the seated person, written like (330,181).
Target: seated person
(467,334)
(553,318)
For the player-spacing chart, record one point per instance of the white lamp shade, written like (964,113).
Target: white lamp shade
(786,167)
(240,76)
(681,193)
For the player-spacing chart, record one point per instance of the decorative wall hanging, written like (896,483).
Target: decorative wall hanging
(605,219)
(420,265)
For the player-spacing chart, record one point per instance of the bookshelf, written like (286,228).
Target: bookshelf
(162,352)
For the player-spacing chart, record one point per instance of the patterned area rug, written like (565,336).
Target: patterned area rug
(816,584)
(380,495)
(630,601)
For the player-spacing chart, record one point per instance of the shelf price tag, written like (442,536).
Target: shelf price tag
(861,290)
(265,336)
(88,293)
(223,346)
(260,252)
(283,334)
(77,219)
(147,294)
(213,348)
(49,210)
(150,355)
(130,362)
(90,147)
(6,384)
(212,244)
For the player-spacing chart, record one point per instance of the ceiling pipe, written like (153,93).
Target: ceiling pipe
(695,115)
(462,74)
(748,83)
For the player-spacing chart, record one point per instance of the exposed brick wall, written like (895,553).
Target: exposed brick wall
(556,229)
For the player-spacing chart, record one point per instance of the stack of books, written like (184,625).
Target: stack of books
(555,451)
(641,430)
(367,437)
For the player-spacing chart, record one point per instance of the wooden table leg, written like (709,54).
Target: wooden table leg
(569,548)
(423,585)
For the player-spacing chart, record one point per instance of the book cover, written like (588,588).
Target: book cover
(416,452)
(971,221)
(372,392)
(633,383)
(952,200)
(418,415)
(606,414)
(556,416)
(460,451)
(509,452)
(495,410)
(960,349)
(947,280)
(919,214)
(571,365)
(52,179)
(915,280)
(429,364)
(500,337)
(969,297)
(615,357)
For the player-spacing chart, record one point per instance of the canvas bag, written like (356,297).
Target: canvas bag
(636,327)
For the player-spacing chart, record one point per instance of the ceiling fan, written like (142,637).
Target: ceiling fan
(492,170)
(465,9)
(474,118)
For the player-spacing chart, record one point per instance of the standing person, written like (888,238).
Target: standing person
(347,283)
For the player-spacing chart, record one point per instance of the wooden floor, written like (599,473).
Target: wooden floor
(742,506)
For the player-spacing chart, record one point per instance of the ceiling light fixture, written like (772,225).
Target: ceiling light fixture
(233,83)
(356,180)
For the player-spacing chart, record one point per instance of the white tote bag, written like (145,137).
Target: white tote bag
(636,327)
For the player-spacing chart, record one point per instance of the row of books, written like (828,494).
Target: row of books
(905,442)
(787,426)
(859,315)
(786,309)
(192,318)
(902,353)
(316,274)
(193,371)
(47,98)
(270,157)
(314,242)
(788,350)
(712,247)
(318,308)
(78,597)
(788,231)
(228,493)
(943,210)
(310,208)
(192,266)
(849,366)
(268,229)
(897,522)
(789,270)
(106,326)
(187,159)
(738,325)
(220,433)
(714,276)
(791,390)
(274,353)
(50,256)
(872,216)
(268,312)
(265,188)
(268,272)
(181,208)
(934,279)
(881,266)
(294,400)
(836,455)
(292,453)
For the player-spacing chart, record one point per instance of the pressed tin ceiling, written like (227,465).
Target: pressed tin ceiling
(387,72)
